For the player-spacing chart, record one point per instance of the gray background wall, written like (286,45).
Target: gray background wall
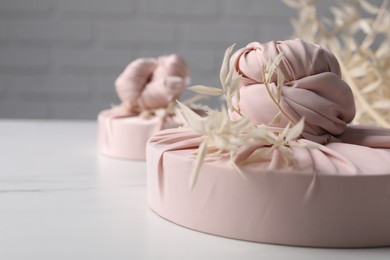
(59,58)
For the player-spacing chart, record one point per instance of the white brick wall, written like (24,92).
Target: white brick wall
(59,58)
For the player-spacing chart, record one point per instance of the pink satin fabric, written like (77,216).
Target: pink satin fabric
(313,88)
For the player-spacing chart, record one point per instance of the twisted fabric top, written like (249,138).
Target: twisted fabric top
(313,87)
(151,83)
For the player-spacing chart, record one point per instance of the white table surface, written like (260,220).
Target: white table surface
(60,200)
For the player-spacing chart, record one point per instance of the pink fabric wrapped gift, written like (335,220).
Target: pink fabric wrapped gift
(147,89)
(334,195)
(313,87)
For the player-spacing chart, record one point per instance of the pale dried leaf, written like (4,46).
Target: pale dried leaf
(368,7)
(192,118)
(305,143)
(382,104)
(277,119)
(284,132)
(259,155)
(358,72)
(264,75)
(382,50)
(229,102)
(238,98)
(286,154)
(220,120)
(193,99)
(280,82)
(161,113)
(234,91)
(371,87)
(232,73)
(236,167)
(260,131)
(350,42)
(295,131)
(365,25)
(219,142)
(275,63)
(235,86)
(293,4)
(225,65)
(277,59)
(200,89)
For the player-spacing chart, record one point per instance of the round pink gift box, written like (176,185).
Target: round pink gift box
(300,208)
(126,137)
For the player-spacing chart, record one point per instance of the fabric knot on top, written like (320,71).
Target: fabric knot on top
(313,88)
(152,83)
